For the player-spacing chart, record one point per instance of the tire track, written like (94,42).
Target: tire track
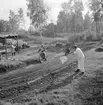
(42,83)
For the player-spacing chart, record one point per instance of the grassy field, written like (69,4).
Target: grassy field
(29,84)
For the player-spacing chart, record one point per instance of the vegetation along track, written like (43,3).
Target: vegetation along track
(15,85)
(8,90)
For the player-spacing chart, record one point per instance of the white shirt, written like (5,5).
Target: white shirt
(13,48)
(79,54)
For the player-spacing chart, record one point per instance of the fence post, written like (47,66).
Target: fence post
(6,49)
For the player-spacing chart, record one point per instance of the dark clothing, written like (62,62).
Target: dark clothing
(42,55)
(13,53)
(78,70)
(67,51)
(42,49)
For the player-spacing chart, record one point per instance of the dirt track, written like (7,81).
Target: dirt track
(15,84)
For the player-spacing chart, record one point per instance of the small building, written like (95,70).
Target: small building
(3,38)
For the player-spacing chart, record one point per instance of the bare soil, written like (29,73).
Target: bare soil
(51,83)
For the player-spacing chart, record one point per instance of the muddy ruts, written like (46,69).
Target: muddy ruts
(43,82)
(12,92)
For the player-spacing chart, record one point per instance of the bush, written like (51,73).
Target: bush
(2,70)
(25,45)
(91,36)
(50,103)
(22,34)
(33,104)
(60,45)
(75,38)
(99,50)
(48,34)
(62,34)
(86,36)
(35,33)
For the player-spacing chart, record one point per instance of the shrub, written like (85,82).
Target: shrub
(86,36)
(75,38)
(35,33)
(99,50)
(33,104)
(50,103)
(60,45)
(91,36)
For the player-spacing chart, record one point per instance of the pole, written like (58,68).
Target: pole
(53,32)
(6,49)
(41,37)
(17,44)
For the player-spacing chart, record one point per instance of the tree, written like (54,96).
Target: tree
(14,21)
(73,23)
(50,30)
(4,26)
(96,8)
(62,22)
(77,13)
(87,21)
(1,25)
(94,5)
(37,12)
(70,19)
(21,19)
(67,7)
(20,12)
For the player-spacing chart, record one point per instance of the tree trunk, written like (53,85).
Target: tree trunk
(17,45)
(6,50)
(98,30)
(41,37)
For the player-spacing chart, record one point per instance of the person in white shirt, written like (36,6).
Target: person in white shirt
(13,50)
(80,58)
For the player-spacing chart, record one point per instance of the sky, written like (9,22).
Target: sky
(6,5)
(55,6)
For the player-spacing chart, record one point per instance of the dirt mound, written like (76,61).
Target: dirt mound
(13,66)
(10,67)
(60,45)
(2,69)
(99,49)
(32,61)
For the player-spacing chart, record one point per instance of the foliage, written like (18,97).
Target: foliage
(96,8)
(14,24)
(62,22)
(37,12)
(21,19)
(70,19)
(50,30)
(4,26)
(16,20)
(75,38)
(94,5)
(13,19)
(87,21)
